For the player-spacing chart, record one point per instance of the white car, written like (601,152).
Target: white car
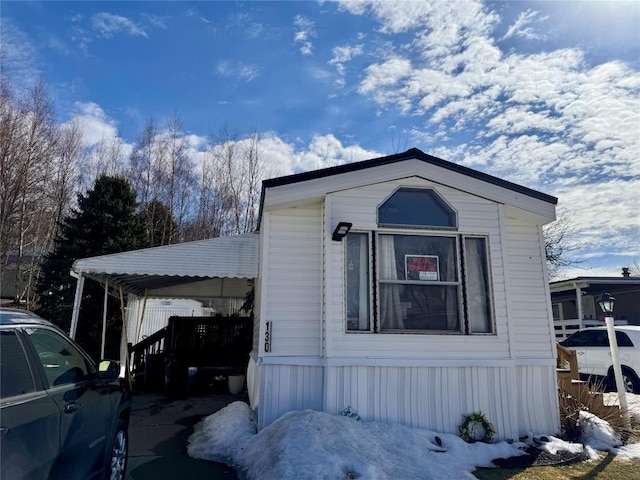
(594,355)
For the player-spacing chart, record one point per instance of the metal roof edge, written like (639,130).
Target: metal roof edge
(410,154)
(77,264)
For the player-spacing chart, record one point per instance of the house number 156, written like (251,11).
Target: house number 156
(267,338)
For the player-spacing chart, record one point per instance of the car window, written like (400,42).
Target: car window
(585,338)
(623,339)
(15,374)
(63,363)
(596,338)
(600,338)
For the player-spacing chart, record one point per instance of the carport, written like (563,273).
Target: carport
(223,267)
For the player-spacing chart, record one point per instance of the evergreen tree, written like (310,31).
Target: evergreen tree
(104,222)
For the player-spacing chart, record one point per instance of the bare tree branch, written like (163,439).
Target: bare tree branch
(559,242)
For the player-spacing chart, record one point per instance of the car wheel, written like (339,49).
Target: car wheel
(117,466)
(630,381)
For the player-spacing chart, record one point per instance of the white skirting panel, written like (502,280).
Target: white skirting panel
(517,400)
(288,387)
(538,410)
(253,382)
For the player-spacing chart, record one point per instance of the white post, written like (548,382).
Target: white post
(76,305)
(617,369)
(104,317)
(579,305)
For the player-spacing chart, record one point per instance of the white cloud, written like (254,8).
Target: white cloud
(520,28)
(107,25)
(305,30)
(239,70)
(195,141)
(385,81)
(344,54)
(58,45)
(95,124)
(607,217)
(517,120)
(327,151)
(255,30)
(322,151)
(192,13)
(18,56)
(557,117)
(544,120)
(155,21)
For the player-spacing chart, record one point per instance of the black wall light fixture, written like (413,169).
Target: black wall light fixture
(341,231)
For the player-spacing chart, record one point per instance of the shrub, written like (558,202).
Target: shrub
(589,400)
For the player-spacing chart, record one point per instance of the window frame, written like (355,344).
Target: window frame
(436,283)
(435,196)
(370,277)
(489,290)
(464,327)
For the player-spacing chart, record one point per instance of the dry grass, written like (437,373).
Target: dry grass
(571,405)
(607,467)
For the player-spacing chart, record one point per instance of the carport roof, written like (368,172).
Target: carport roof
(179,264)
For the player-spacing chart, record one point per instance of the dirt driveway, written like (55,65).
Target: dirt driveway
(158,433)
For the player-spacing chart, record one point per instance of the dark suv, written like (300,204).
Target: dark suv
(61,416)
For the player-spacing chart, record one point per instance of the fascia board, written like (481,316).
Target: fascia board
(315,189)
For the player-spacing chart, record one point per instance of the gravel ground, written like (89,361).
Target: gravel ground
(540,458)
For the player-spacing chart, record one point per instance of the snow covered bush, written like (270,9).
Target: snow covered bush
(588,400)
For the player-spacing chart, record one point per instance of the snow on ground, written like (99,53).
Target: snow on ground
(633,403)
(316,445)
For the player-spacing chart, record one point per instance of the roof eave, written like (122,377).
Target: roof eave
(410,154)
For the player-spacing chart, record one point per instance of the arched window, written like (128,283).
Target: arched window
(416,207)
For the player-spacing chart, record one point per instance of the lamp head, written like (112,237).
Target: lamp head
(606,302)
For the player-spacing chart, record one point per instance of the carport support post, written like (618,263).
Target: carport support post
(125,334)
(104,317)
(76,304)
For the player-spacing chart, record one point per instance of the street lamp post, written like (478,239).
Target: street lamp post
(606,302)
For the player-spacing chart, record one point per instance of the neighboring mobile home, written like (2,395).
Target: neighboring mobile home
(411,289)
(575,302)
(434,305)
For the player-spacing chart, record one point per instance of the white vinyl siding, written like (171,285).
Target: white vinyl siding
(475,216)
(292,296)
(532,328)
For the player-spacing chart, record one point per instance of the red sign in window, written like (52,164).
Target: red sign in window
(422,268)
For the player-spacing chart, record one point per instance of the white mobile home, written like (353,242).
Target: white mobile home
(409,288)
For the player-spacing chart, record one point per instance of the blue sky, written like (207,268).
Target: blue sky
(546,94)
